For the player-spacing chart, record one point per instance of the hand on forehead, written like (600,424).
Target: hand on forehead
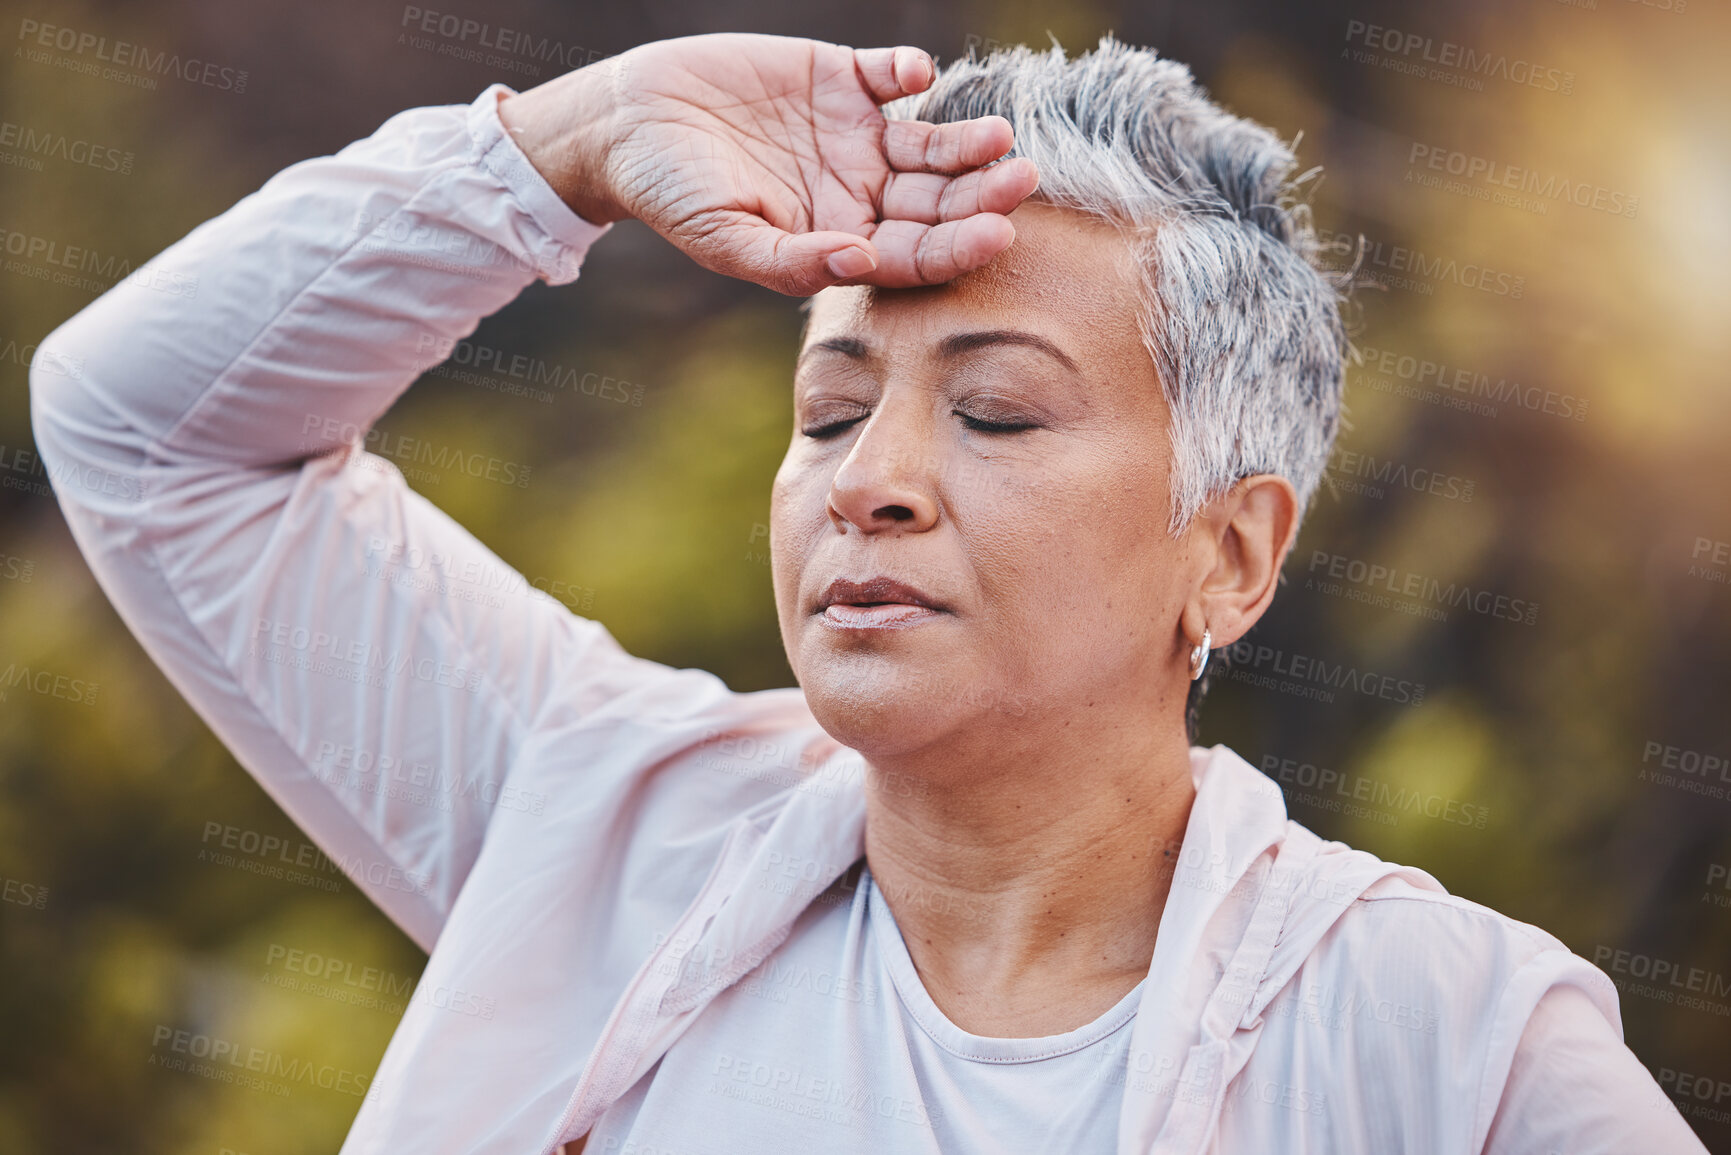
(1068,276)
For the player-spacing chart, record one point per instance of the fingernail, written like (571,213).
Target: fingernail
(850,262)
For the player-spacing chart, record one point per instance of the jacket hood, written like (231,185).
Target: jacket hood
(1252,895)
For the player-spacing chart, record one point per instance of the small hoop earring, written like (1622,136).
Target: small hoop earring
(1199,655)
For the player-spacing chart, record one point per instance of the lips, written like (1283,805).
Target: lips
(876,603)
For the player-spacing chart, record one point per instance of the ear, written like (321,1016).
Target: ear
(1242,538)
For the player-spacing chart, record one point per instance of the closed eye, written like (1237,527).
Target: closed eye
(830,429)
(980,425)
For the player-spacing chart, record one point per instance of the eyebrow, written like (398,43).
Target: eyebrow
(850,347)
(955,345)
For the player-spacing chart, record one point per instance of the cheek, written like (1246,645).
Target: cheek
(796,519)
(1080,564)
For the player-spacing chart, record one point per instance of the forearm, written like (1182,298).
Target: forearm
(265,585)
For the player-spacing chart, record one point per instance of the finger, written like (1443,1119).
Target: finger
(798,264)
(889,73)
(930,198)
(915,146)
(912,254)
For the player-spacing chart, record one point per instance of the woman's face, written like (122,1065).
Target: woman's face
(969,528)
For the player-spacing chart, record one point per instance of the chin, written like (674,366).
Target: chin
(877,734)
(873,707)
(884,706)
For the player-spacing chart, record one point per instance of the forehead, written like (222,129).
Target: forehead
(1067,276)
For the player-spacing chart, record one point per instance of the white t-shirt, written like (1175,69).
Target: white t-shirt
(833,1045)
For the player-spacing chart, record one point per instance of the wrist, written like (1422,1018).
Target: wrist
(563,128)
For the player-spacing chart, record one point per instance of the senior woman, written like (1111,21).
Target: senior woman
(968,888)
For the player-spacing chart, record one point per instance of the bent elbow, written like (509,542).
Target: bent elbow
(57,373)
(87,451)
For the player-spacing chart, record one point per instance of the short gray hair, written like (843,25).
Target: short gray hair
(1241,320)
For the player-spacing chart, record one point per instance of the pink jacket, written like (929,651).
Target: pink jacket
(578,836)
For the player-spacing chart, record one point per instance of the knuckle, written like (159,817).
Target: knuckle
(927,256)
(931,152)
(949,202)
(955,144)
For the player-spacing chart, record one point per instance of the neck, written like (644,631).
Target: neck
(1028,880)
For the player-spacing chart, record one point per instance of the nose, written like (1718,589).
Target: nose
(886,482)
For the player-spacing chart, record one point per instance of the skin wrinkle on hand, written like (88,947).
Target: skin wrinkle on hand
(759,203)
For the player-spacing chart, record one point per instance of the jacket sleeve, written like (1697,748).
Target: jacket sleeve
(1574,1086)
(205,424)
